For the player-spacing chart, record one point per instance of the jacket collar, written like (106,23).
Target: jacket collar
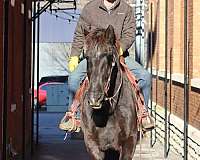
(101,4)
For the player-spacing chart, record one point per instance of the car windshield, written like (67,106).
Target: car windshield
(61,79)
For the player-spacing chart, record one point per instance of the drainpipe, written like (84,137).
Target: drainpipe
(24,80)
(186,81)
(33,77)
(38,53)
(166,80)
(151,64)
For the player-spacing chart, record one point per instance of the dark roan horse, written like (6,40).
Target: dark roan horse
(108,114)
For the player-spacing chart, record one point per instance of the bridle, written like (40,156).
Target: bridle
(107,86)
(112,99)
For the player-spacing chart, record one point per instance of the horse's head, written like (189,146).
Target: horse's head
(101,55)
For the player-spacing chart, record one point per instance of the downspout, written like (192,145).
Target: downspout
(186,81)
(166,80)
(33,77)
(24,80)
(38,58)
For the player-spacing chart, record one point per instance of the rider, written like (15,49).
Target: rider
(100,14)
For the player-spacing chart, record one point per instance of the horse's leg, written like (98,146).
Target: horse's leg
(128,148)
(93,148)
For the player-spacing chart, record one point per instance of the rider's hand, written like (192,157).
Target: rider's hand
(121,59)
(73,63)
(120,51)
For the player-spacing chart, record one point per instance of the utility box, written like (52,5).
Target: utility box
(57,95)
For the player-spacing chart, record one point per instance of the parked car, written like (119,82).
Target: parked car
(42,95)
(44,85)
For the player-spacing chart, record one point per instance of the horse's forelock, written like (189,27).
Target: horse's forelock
(96,39)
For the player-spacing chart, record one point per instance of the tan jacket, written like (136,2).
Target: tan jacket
(95,15)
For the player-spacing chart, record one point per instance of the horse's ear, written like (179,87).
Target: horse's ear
(110,34)
(85,32)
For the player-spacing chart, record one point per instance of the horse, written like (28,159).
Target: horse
(108,107)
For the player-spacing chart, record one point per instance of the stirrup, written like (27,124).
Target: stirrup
(70,123)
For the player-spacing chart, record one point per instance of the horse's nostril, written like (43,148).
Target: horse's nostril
(94,103)
(91,101)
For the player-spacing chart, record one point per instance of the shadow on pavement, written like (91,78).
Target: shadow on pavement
(51,144)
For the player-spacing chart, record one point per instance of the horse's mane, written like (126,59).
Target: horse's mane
(96,36)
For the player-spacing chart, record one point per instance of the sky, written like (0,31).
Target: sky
(58,29)
(53,33)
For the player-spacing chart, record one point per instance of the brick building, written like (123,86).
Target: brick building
(175,56)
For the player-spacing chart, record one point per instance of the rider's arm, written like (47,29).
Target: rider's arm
(78,40)
(128,31)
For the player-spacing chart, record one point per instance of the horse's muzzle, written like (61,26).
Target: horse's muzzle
(95,102)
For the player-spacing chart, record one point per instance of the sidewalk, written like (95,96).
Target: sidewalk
(152,153)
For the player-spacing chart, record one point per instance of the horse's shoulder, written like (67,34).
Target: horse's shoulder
(124,76)
(128,91)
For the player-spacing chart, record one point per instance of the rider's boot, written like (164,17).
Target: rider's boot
(148,123)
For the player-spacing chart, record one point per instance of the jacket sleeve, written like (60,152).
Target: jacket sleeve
(128,30)
(78,40)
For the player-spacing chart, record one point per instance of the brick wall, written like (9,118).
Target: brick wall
(175,100)
(175,56)
(178,37)
(195,30)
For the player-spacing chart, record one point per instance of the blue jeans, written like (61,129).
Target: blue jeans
(142,75)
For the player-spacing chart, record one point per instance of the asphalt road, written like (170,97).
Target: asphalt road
(53,147)
(51,140)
